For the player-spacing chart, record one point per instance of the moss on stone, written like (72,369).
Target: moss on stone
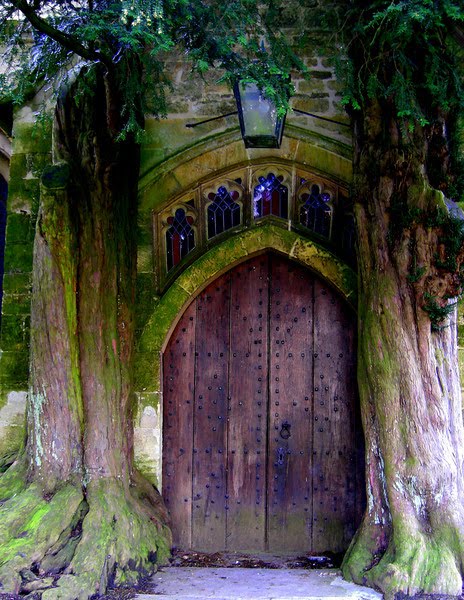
(19,229)
(18,258)
(14,370)
(15,331)
(16,304)
(29,137)
(17,283)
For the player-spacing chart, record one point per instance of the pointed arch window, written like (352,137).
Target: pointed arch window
(223,211)
(270,197)
(315,211)
(180,237)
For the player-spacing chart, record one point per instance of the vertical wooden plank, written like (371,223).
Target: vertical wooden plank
(247,415)
(210,409)
(178,378)
(290,398)
(334,484)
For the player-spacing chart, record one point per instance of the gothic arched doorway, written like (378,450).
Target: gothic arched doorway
(262,443)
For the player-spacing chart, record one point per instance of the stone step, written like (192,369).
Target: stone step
(194,583)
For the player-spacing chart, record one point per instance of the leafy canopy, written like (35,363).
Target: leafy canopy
(44,39)
(408,52)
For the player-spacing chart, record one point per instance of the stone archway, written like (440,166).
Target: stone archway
(262,441)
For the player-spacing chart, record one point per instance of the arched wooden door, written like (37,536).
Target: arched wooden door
(262,447)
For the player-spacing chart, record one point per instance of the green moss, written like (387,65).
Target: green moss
(11,441)
(163,317)
(17,283)
(14,370)
(18,258)
(30,524)
(146,371)
(14,332)
(28,137)
(19,229)
(16,304)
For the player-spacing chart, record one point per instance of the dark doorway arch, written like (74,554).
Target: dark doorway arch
(262,442)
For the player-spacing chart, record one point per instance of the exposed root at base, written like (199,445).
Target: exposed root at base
(71,546)
(415,566)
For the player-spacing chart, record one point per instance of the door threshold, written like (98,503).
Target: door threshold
(255,560)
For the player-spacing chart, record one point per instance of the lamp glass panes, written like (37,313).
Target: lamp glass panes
(260,123)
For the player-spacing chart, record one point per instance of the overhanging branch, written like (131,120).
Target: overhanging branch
(64,39)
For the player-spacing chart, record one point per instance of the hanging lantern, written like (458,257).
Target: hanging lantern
(259,121)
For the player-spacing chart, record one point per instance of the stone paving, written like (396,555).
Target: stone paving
(194,583)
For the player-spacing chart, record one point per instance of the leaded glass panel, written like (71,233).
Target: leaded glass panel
(270,197)
(223,212)
(180,238)
(315,212)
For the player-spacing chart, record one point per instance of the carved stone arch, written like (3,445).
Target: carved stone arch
(231,252)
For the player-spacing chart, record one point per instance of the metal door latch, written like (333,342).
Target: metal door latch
(285,430)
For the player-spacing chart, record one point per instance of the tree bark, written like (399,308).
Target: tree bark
(412,535)
(80,433)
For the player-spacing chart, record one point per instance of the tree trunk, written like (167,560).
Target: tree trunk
(412,536)
(80,432)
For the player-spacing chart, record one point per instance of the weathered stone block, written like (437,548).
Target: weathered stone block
(32,138)
(17,283)
(19,228)
(314,105)
(15,332)
(18,258)
(14,370)
(146,372)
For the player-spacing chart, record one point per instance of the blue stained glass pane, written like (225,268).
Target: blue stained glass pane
(223,212)
(315,213)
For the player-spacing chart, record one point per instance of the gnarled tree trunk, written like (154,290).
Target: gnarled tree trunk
(86,517)
(412,536)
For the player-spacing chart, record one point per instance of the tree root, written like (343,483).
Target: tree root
(413,563)
(29,526)
(77,546)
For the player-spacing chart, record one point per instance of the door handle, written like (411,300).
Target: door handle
(285,430)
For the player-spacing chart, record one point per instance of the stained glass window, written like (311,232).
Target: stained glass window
(180,238)
(223,212)
(270,197)
(315,212)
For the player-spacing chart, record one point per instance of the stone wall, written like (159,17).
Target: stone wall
(30,152)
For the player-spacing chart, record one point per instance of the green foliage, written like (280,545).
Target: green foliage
(405,52)
(437,313)
(47,41)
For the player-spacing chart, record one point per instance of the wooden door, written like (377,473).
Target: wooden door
(262,445)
